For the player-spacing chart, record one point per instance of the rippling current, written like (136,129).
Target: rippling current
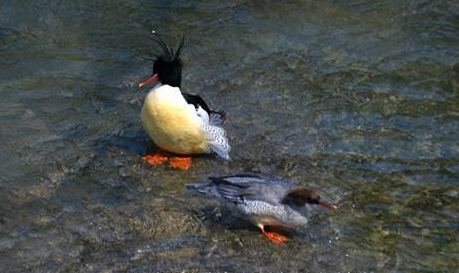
(358,99)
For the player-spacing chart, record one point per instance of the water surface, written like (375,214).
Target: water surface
(358,99)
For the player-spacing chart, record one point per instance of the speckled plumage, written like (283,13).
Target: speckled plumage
(262,198)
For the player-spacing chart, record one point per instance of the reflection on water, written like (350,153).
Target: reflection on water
(359,99)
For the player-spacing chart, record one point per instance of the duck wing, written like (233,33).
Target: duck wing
(211,122)
(241,188)
(214,117)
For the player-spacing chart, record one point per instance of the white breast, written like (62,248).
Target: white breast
(172,123)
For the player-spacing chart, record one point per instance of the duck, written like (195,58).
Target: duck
(265,200)
(179,123)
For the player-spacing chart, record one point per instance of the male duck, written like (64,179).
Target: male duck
(178,122)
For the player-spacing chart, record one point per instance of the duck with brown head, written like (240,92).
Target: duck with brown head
(178,122)
(265,200)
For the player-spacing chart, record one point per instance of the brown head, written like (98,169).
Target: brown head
(302,195)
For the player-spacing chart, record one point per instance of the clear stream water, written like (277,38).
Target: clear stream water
(358,99)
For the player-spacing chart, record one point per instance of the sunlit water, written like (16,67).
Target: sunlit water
(358,99)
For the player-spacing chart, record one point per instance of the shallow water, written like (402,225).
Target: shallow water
(359,99)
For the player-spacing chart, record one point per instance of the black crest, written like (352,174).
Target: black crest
(168,54)
(168,64)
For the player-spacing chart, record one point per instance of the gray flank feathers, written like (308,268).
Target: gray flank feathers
(217,140)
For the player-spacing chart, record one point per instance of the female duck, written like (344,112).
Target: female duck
(264,199)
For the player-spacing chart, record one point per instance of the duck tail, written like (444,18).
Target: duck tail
(206,188)
(217,118)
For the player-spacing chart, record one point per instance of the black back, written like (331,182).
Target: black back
(196,101)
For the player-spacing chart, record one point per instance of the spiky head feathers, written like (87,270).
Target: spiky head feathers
(168,64)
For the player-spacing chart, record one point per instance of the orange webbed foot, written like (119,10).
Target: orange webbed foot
(156,159)
(273,236)
(276,237)
(182,163)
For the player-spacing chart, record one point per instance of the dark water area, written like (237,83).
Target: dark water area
(358,99)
